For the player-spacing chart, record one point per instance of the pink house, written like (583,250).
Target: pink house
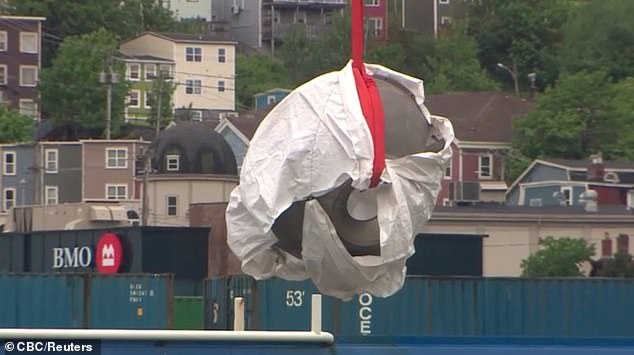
(376,18)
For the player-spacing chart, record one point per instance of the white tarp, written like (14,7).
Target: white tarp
(310,143)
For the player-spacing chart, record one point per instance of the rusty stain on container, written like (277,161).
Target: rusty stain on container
(221,260)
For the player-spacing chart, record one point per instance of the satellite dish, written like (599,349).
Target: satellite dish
(353,212)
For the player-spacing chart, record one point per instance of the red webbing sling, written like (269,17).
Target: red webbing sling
(369,96)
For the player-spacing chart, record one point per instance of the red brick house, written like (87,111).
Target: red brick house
(375,12)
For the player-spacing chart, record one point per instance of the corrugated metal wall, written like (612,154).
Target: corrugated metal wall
(439,307)
(86,301)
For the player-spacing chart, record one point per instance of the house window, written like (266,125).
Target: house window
(116,158)
(271,99)
(166,71)
(9,198)
(173,162)
(193,54)
(221,85)
(445,20)
(566,195)
(134,71)
(28,42)
(375,24)
(222,55)
(133,98)
(28,108)
(150,71)
(28,75)
(196,115)
(485,166)
(149,98)
(300,17)
(3,74)
(444,2)
(3,41)
(52,195)
(51,161)
(371,2)
(172,205)
(448,169)
(116,191)
(8,166)
(193,87)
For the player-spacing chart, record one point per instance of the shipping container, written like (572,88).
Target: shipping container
(188,313)
(429,306)
(182,251)
(130,301)
(74,300)
(42,301)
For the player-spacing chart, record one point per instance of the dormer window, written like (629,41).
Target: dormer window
(611,176)
(173,162)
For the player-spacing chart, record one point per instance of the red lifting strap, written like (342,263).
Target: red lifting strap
(369,96)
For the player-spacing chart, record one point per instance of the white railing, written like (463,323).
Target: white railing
(239,334)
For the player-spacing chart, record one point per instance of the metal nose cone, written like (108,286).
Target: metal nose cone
(353,212)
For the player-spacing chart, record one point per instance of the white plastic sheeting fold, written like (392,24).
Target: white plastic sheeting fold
(309,144)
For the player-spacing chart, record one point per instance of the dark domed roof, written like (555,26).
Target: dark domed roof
(193,148)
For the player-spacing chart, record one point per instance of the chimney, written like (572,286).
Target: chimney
(595,170)
(606,247)
(623,243)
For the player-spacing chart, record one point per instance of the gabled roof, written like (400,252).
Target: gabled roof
(622,167)
(273,90)
(582,164)
(186,38)
(485,116)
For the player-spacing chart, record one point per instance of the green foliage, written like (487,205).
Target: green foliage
(571,120)
(515,164)
(598,37)
(164,88)
(255,74)
(451,64)
(14,127)
(527,31)
(71,91)
(621,265)
(558,258)
(622,111)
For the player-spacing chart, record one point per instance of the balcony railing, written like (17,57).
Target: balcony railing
(306,2)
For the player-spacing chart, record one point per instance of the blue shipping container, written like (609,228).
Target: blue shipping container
(41,301)
(131,301)
(440,307)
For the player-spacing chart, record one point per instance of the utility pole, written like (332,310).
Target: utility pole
(158,101)
(108,78)
(145,204)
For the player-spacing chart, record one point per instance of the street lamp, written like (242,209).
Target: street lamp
(513,75)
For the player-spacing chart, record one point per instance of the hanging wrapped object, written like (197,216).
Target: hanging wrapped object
(338,180)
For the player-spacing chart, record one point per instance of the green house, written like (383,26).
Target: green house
(141,72)
(269,97)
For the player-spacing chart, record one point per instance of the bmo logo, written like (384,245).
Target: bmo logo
(108,254)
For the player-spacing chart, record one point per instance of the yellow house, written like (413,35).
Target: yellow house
(202,67)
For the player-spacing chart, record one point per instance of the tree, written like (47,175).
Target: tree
(621,265)
(527,32)
(451,64)
(66,18)
(257,73)
(164,88)
(558,258)
(14,127)
(71,91)
(622,113)
(571,120)
(598,36)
